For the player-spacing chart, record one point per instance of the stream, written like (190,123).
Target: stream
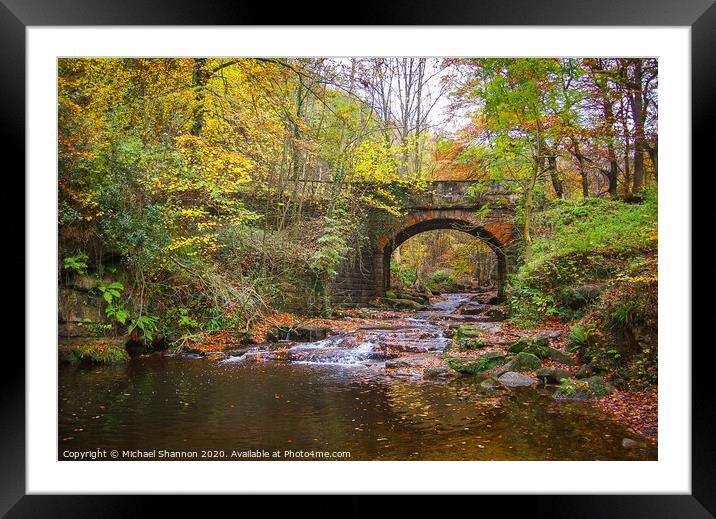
(367,394)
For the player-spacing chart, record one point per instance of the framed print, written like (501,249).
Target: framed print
(376,258)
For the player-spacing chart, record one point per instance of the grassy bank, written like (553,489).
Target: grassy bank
(595,268)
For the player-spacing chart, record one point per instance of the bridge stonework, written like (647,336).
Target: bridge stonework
(443,205)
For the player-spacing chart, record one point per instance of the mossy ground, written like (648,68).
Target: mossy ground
(100,353)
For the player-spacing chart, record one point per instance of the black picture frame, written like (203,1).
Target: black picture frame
(700,15)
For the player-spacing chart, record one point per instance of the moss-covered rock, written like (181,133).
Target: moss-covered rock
(584,389)
(469,331)
(591,369)
(598,386)
(466,344)
(560,356)
(472,367)
(530,344)
(552,375)
(420,299)
(523,361)
(99,353)
(401,303)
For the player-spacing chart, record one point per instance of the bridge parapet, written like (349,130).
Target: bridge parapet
(462,193)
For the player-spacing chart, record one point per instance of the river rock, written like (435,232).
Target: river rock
(472,309)
(417,298)
(402,303)
(522,362)
(489,383)
(552,375)
(534,345)
(512,379)
(298,334)
(473,366)
(406,361)
(548,334)
(348,341)
(469,331)
(498,313)
(382,355)
(560,356)
(235,351)
(438,372)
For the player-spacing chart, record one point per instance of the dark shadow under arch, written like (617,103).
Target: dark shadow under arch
(447,224)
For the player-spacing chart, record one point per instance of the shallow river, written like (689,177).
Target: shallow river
(328,401)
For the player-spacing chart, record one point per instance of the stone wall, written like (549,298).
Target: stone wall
(357,282)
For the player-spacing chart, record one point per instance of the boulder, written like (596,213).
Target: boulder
(472,366)
(548,334)
(560,356)
(522,362)
(438,372)
(628,443)
(512,379)
(552,375)
(534,344)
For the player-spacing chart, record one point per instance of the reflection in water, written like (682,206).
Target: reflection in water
(179,404)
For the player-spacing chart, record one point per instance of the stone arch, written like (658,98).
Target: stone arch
(364,277)
(495,230)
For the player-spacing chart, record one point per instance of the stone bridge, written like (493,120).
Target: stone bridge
(448,204)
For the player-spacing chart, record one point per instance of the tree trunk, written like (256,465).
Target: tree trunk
(636,98)
(200,77)
(582,170)
(611,153)
(528,211)
(557,184)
